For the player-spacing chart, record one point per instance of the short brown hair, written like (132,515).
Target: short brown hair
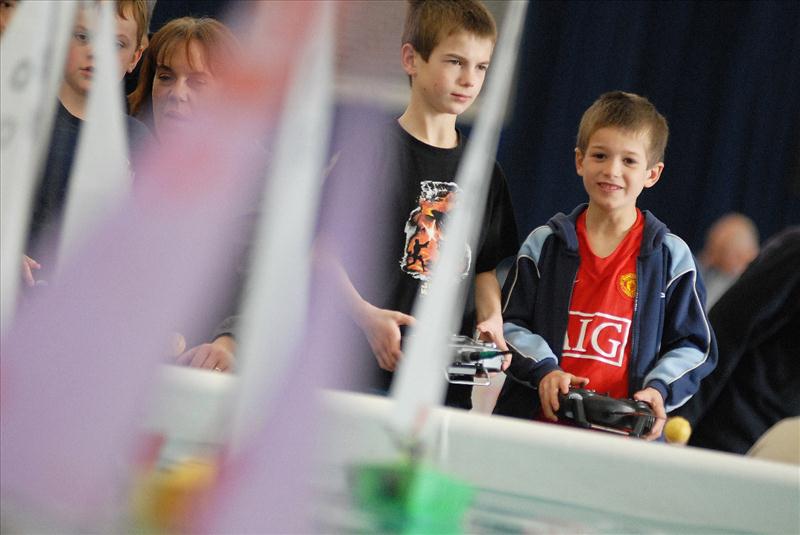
(140,12)
(629,112)
(430,21)
(217,40)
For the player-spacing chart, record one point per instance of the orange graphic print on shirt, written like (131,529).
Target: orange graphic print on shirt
(425,228)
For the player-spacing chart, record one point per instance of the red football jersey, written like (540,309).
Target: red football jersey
(598,340)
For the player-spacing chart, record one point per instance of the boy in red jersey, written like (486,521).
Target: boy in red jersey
(606,296)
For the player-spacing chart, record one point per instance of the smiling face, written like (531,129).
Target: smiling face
(184,86)
(453,76)
(615,169)
(80,56)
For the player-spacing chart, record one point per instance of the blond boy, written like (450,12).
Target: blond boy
(606,296)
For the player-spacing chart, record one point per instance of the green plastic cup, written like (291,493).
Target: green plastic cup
(407,497)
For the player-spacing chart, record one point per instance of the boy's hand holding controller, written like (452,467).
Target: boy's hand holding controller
(561,381)
(491,329)
(652,397)
(551,384)
(382,328)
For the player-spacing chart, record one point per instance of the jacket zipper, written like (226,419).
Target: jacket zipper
(635,323)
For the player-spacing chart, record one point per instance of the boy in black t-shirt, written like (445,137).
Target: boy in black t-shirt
(446,51)
(385,204)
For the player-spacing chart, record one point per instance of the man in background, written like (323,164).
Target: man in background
(731,244)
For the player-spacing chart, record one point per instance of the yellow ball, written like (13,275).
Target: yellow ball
(677,430)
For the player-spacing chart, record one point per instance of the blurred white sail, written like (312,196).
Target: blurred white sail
(419,382)
(32,58)
(274,311)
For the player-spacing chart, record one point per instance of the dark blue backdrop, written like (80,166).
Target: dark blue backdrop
(726,76)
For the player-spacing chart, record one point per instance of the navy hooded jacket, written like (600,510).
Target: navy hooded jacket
(672,344)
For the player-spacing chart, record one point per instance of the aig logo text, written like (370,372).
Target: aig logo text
(596,336)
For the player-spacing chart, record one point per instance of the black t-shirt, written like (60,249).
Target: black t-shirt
(398,204)
(51,194)
(415,223)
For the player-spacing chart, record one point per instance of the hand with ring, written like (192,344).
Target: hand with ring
(216,356)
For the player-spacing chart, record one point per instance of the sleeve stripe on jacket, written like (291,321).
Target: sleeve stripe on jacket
(527,344)
(678,362)
(531,250)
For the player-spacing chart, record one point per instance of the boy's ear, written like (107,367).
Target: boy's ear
(408,58)
(654,173)
(578,160)
(136,57)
